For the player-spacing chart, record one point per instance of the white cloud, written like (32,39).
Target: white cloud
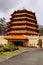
(1,14)
(8,6)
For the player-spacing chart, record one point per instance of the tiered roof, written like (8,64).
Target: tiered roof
(23,22)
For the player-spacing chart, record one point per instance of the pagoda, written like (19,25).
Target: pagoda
(22,23)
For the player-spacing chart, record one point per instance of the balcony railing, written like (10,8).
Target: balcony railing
(23,11)
(24,14)
(22,32)
(22,23)
(23,18)
(23,27)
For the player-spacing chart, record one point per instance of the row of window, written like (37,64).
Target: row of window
(31,25)
(24,15)
(24,11)
(24,34)
(21,30)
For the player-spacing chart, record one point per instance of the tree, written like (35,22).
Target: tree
(41,31)
(40,43)
(2,26)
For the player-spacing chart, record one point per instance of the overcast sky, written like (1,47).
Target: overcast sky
(8,6)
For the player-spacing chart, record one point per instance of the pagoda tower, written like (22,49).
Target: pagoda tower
(22,23)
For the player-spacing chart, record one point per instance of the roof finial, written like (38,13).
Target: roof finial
(24,8)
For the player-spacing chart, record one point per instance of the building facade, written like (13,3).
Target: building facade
(23,23)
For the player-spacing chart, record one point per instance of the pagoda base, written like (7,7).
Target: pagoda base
(19,40)
(22,43)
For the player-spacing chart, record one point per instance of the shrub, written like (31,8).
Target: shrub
(1,48)
(16,47)
(32,46)
(11,47)
(6,47)
(40,42)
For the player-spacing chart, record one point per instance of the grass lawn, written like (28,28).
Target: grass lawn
(10,54)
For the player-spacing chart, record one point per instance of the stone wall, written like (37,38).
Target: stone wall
(3,41)
(33,40)
(42,40)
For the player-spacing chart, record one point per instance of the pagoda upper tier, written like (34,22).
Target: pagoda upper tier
(23,22)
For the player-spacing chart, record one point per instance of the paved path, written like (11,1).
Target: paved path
(28,58)
(2,58)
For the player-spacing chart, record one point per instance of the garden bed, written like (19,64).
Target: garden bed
(10,54)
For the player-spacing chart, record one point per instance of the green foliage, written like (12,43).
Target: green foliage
(32,46)
(10,54)
(41,31)
(2,25)
(40,42)
(11,46)
(8,47)
(16,47)
(1,48)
